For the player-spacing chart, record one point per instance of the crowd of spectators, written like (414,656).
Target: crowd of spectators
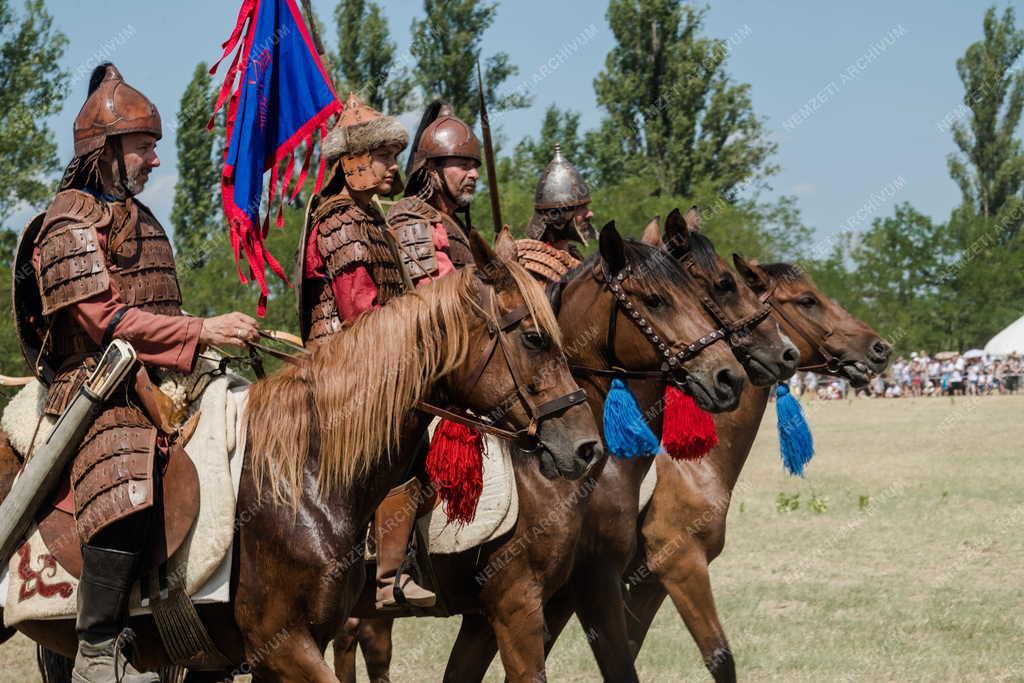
(921,375)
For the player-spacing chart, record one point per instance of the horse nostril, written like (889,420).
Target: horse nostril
(882,348)
(727,379)
(791,356)
(588,451)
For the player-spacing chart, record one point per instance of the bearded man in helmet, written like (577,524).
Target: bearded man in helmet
(443,173)
(561,218)
(349,269)
(104,269)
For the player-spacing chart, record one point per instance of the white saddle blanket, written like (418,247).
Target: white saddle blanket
(37,587)
(496,513)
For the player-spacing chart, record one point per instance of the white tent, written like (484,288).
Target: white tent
(1010,340)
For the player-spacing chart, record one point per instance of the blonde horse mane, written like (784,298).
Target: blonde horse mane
(345,404)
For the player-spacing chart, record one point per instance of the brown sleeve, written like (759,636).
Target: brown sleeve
(169,341)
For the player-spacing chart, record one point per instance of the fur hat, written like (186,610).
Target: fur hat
(359,129)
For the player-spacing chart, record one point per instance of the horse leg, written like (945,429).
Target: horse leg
(473,651)
(686,579)
(374,637)
(345,652)
(643,600)
(597,589)
(516,614)
(557,613)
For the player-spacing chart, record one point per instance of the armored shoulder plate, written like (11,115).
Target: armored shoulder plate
(412,221)
(543,260)
(72,266)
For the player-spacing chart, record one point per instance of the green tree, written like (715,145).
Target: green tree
(195,214)
(672,110)
(989,167)
(447,43)
(900,285)
(365,61)
(33,86)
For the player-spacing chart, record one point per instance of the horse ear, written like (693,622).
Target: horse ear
(491,268)
(652,233)
(612,249)
(677,234)
(752,273)
(505,246)
(692,218)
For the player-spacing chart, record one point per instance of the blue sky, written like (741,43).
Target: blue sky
(858,97)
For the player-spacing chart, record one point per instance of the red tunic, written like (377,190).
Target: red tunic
(354,289)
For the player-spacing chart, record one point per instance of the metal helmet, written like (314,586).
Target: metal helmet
(560,192)
(444,135)
(113,108)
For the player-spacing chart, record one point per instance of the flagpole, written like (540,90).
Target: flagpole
(314,33)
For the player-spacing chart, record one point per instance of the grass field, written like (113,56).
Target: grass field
(900,558)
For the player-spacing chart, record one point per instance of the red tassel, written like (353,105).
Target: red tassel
(456,468)
(688,433)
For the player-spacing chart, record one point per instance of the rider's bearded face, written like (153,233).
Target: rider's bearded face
(460,175)
(384,163)
(140,159)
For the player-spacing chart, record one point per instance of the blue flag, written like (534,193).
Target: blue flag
(278,97)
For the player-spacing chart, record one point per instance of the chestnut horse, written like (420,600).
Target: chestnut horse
(696,495)
(608,538)
(330,435)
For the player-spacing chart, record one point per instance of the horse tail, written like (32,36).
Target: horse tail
(53,668)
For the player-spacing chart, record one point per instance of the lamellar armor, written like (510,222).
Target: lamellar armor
(347,235)
(561,191)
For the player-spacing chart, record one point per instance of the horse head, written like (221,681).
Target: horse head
(767,355)
(517,375)
(633,312)
(831,341)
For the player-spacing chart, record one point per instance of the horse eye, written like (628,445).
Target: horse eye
(808,301)
(727,283)
(536,341)
(653,301)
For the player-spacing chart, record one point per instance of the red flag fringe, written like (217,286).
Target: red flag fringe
(688,433)
(455,467)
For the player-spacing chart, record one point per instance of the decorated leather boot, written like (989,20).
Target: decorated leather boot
(393,525)
(103,592)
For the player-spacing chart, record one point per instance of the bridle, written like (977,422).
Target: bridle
(674,357)
(833,363)
(498,327)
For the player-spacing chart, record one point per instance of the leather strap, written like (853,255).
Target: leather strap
(108,334)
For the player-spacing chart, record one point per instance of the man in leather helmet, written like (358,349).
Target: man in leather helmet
(104,269)
(561,216)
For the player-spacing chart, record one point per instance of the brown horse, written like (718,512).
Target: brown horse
(696,495)
(608,538)
(350,429)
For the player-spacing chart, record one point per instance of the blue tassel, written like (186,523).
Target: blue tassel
(794,434)
(626,432)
